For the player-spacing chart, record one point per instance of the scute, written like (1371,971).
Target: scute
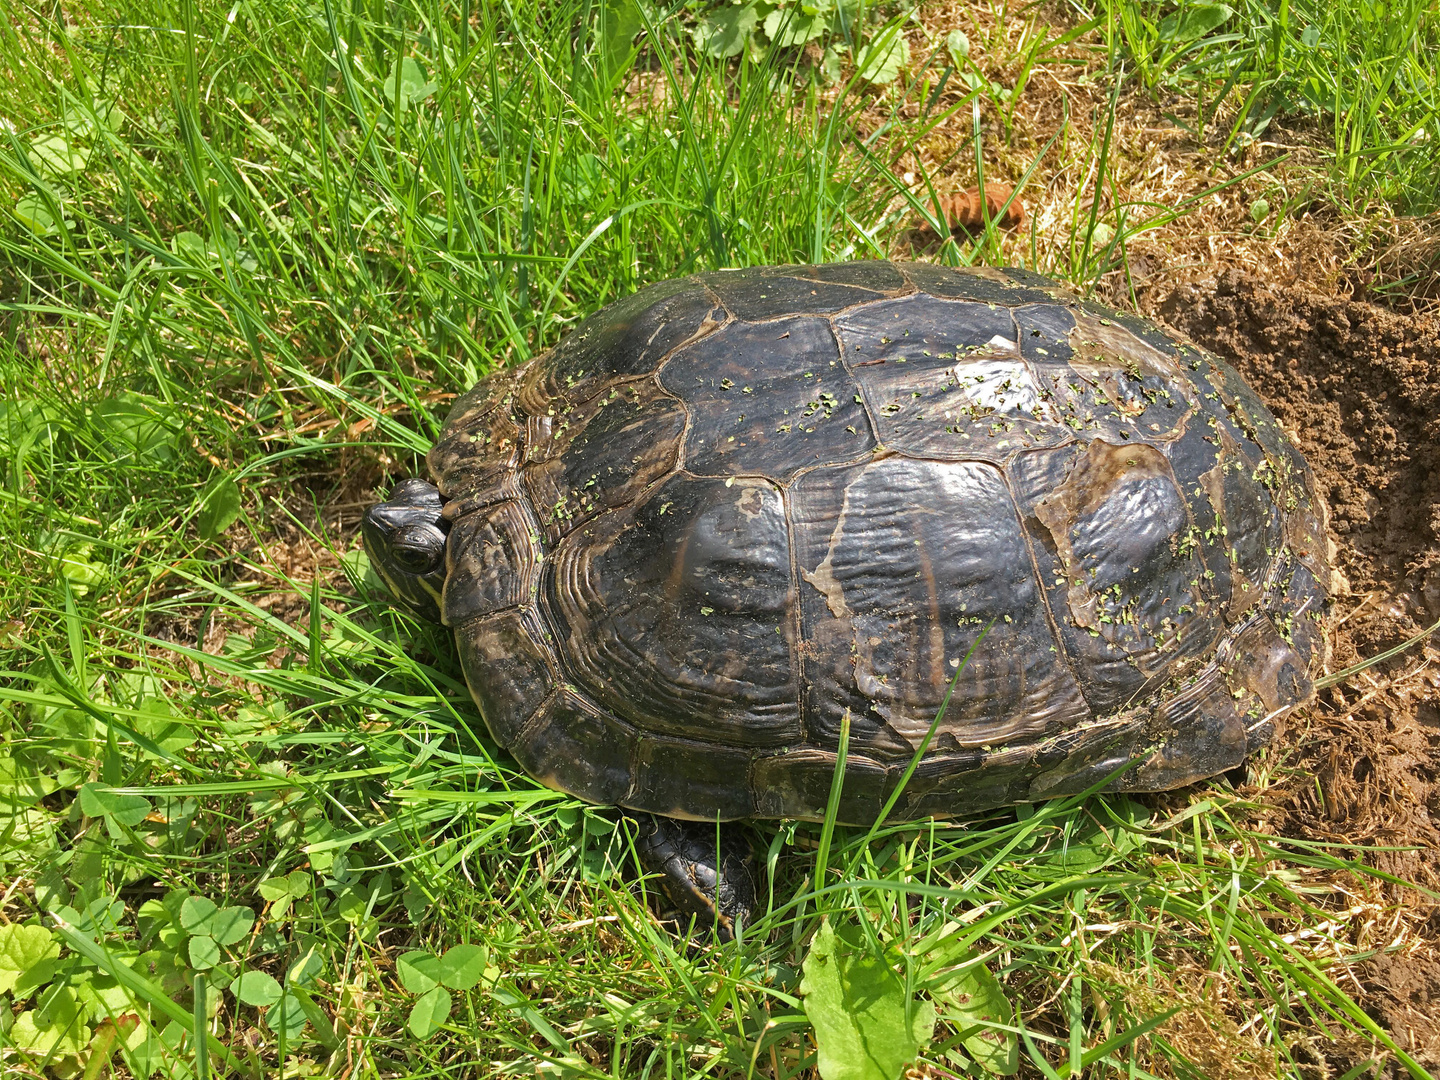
(628,338)
(908,566)
(601,454)
(491,562)
(767,399)
(732,510)
(509,667)
(678,612)
(769,293)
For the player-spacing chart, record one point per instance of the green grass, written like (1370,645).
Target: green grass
(1361,74)
(250,251)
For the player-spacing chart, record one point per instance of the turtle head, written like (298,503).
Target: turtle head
(405,540)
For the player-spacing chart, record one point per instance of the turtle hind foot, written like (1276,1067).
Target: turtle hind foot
(716,889)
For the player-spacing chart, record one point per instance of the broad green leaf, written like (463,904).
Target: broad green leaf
(137,426)
(204,952)
(791,25)
(296,883)
(59,155)
(959,45)
(883,59)
(430,1010)
(219,508)
(33,213)
(305,970)
(462,966)
(972,999)
(411,81)
(1193,23)
(192,246)
(22,948)
(281,891)
(158,723)
(418,971)
(286,1015)
(723,32)
(865,1028)
(196,913)
(257,988)
(1310,37)
(229,925)
(620,21)
(48,1040)
(126,809)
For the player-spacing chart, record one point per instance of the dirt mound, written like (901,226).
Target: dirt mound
(1358,387)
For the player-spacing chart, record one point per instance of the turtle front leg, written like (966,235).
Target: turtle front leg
(716,887)
(405,539)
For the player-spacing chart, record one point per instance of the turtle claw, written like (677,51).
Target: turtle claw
(718,891)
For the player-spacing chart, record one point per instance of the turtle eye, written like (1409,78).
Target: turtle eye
(418,548)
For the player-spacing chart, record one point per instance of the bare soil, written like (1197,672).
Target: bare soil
(1358,387)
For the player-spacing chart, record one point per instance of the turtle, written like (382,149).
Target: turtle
(742,523)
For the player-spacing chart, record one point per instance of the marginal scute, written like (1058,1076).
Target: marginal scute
(1200,733)
(767,399)
(627,338)
(491,559)
(508,665)
(686,778)
(575,747)
(796,784)
(1267,665)
(496,391)
(908,566)
(601,455)
(678,612)
(475,465)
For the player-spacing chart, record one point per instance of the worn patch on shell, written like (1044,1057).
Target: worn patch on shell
(491,559)
(945,379)
(1119,524)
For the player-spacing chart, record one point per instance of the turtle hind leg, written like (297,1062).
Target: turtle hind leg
(716,888)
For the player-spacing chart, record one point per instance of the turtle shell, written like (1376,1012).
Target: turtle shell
(738,518)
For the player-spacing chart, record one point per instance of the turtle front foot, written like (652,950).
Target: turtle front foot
(715,887)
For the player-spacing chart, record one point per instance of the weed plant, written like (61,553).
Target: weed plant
(252,823)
